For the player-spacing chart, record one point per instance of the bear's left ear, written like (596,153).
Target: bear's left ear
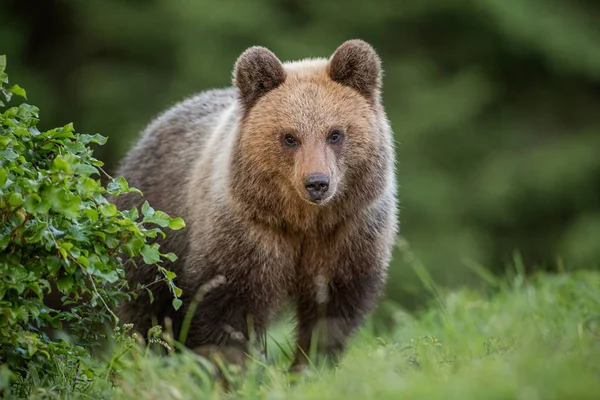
(356,64)
(257,71)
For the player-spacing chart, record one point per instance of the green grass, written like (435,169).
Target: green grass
(529,339)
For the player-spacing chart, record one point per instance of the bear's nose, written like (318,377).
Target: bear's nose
(316,185)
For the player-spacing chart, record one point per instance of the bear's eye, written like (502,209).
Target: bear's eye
(335,136)
(290,141)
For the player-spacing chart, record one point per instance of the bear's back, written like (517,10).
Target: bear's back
(161,162)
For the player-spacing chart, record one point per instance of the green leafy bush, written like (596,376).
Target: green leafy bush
(59,234)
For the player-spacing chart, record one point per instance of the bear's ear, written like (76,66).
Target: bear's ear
(257,71)
(356,64)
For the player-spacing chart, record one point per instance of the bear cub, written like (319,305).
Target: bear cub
(286,184)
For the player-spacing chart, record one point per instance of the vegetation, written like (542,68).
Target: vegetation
(536,338)
(60,242)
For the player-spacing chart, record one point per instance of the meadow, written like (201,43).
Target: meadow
(526,338)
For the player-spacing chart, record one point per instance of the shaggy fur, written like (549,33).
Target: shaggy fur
(222,161)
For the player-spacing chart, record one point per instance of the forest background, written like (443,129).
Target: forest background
(493,103)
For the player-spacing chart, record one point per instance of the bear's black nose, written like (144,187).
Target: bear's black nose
(316,185)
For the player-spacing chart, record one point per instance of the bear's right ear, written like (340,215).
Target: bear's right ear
(257,71)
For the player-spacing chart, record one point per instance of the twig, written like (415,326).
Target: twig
(105,173)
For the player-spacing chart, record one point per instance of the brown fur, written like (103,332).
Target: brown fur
(218,160)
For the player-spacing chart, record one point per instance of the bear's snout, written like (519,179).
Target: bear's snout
(317,186)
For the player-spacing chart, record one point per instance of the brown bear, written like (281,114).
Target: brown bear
(286,182)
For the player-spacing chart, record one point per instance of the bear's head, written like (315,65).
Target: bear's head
(313,136)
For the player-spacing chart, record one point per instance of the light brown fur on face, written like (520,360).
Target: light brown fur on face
(325,106)
(309,104)
(272,221)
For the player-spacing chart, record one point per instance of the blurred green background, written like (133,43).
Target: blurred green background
(494,104)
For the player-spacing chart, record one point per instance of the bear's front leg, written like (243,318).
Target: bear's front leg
(231,312)
(331,312)
(222,322)
(252,270)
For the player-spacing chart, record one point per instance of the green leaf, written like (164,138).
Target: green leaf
(150,295)
(84,169)
(92,214)
(170,274)
(64,248)
(62,201)
(3,176)
(117,185)
(83,261)
(4,240)
(31,202)
(111,242)
(177,304)
(61,164)
(146,209)
(133,245)
(69,267)
(68,128)
(65,284)
(54,264)
(177,223)
(43,206)
(15,199)
(170,256)
(150,253)
(20,131)
(108,210)
(87,187)
(18,90)
(100,234)
(40,231)
(20,288)
(97,138)
(8,154)
(2,62)
(5,140)
(157,217)
(131,214)
(110,276)
(28,112)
